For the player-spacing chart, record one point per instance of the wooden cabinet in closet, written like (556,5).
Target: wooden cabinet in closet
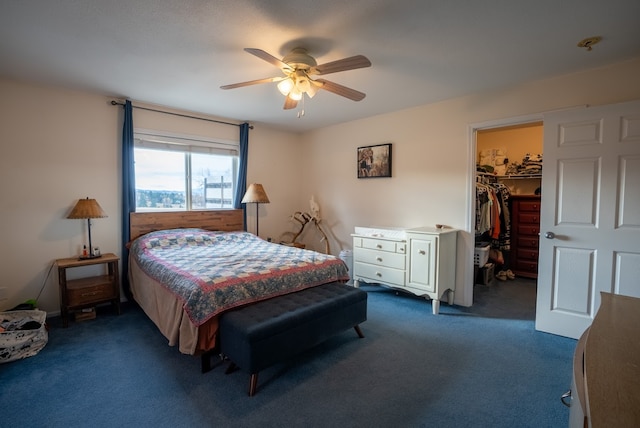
(525,234)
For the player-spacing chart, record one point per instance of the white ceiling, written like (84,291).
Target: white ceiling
(177,53)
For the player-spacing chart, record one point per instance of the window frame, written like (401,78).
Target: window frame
(188,145)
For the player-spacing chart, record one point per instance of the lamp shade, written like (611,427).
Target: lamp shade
(87,208)
(255,194)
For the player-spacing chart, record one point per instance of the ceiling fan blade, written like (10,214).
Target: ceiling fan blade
(267,57)
(290,103)
(252,82)
(343,91)
(351,63)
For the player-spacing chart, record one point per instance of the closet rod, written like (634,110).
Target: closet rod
(116,103)
(518,177)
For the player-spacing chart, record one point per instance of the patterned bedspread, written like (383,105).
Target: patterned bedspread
(211,272)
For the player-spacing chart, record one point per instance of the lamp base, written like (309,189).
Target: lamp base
(89,257)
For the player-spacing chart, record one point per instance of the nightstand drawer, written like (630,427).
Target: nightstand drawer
(84,291)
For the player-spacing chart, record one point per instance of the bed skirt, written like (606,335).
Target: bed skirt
(167,313)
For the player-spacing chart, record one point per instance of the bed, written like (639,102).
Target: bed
(188,268)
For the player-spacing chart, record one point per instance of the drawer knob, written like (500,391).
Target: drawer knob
(549,235)
(378,274)
(421,252)
(379,259)
(378,246)
(91,293)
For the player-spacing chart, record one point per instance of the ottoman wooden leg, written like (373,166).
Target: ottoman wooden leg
(253,383)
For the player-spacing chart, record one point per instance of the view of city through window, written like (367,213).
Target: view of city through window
(161,180)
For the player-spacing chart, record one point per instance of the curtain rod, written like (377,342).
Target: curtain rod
(115,103)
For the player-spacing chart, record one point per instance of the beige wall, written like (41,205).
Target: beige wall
(434,156)
(57,146)
(60,145)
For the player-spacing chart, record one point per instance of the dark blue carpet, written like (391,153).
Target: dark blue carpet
(483,366)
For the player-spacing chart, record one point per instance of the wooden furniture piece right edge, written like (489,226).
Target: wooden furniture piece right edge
(612,363)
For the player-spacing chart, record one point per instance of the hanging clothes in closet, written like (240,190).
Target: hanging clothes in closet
(493,220)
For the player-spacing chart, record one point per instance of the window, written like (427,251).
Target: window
(180,174)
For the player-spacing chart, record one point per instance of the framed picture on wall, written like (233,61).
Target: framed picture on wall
(374,161)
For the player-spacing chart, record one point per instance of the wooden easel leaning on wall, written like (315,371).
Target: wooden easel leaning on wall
(304,218)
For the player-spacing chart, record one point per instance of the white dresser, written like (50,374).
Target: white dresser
(421,261)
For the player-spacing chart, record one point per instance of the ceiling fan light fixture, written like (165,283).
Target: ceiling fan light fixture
(313,89)
(298,67)
(303,85)
(285,86)
(295,94)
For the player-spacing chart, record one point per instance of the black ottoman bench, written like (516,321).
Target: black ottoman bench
(256,336)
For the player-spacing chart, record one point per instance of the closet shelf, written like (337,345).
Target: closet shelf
(518,176)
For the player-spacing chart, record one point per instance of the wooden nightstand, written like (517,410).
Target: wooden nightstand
(87,292)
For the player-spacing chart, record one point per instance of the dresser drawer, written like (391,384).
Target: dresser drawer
(529,218)
(380,258)
(525,234)
(384,245)
(526,254)
(79,292)
(529,229)
(529,206)
(525,242)
(529,266)
(379,274)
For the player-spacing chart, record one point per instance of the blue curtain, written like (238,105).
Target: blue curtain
(242,169)
(128,192)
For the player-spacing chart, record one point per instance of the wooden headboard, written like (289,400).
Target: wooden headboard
(229,220)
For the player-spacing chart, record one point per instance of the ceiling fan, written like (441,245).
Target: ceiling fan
(298,67)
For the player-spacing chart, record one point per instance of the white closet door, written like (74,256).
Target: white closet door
(590,218)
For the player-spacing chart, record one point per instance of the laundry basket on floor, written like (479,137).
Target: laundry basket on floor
(24,335)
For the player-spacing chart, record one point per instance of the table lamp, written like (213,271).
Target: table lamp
(87,208)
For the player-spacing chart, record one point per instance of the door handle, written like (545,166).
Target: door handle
(549,235)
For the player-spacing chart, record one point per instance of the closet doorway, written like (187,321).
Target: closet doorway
(509,161)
